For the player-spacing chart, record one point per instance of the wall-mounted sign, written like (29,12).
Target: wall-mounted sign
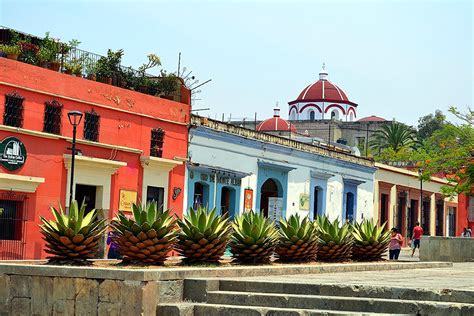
(176,192)
(304,202)
(275,208)
(127,198)
(248,200)
(222,179)
(12,153)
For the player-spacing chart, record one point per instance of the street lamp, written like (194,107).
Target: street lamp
(75,119)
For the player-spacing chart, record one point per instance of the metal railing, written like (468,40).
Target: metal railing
(87,61)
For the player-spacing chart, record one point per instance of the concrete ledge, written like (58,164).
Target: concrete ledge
(180,273)
(448,249)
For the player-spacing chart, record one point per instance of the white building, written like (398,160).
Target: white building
(233,168)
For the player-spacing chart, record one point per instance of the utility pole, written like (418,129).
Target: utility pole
(329,139)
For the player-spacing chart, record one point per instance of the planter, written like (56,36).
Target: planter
(78,75)
(54,65)
(168,97)
(68,72)
(92,77)
(12,56)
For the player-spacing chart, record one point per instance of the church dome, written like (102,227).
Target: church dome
(323,90)
(276,123)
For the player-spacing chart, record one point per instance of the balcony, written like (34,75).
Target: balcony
(67,58)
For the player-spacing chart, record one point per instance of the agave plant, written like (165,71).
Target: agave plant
(298,240)
(335,241)
(370,241)
(148,237)
(203,237)
(72,238)
(253,239)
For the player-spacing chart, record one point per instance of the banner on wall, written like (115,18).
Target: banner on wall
(275,208)
(248,200)
(304,202)
(127,198)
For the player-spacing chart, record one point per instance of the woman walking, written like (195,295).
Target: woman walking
(395,245)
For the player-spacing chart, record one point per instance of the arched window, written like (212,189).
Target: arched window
(311,115)
(334,115)
(351,117)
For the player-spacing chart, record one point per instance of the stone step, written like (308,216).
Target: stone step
(354,304)
(203,309)
(437,295)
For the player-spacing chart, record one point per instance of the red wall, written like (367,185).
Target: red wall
(463,214)
(130,127)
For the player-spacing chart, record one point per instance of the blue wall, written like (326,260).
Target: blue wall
(281,179)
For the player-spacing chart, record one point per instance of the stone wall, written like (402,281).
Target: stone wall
(448,249)
(45,295)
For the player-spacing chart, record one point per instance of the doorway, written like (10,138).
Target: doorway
(86,194)
(349,207)
(317,202)
(401,209)
(269,189)
(452,221)
(201,195)
(383,208)
(425,217)
(439,218)
(155,194)
(227,201)
(411,217)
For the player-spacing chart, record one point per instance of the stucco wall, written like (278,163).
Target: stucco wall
(224,150)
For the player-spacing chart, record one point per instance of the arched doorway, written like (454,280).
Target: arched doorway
(317,202)
(311,115)
(349,207)
(269,189)
(228,201)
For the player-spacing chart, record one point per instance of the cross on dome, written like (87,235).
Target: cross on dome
(323,74)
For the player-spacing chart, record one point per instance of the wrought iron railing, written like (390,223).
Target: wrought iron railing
(124,77)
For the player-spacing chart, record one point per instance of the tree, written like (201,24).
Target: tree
(394,136)
(451,152)
(430,123)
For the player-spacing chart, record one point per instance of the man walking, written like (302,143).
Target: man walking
(417,232)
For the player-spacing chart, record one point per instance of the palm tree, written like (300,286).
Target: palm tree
(395,136)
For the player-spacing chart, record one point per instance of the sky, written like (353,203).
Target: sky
(396,59)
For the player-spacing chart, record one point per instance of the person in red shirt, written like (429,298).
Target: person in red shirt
(417,232)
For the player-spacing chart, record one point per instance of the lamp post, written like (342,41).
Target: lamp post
(75,119)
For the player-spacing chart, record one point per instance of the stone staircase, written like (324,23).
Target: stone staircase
(240,297)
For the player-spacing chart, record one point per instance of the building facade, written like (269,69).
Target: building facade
(236,169)
(131,147)
(397,196)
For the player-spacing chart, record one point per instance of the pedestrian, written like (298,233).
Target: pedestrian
(466,232)
(395,244)
(416,236)
(114,252)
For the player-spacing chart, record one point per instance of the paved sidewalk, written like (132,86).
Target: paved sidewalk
(459,277)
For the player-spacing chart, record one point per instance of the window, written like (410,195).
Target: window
(13,115)
(334,115)
(91,126)
(157,139)
(311,115)
(10,219)
(52,117)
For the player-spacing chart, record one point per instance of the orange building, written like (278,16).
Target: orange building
(131,147)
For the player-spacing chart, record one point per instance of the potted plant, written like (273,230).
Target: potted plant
(167,85)
(109,67)
(49,52)
(145,83)
(29,51)
(11,51)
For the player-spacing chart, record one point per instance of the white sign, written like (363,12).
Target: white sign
(275,208)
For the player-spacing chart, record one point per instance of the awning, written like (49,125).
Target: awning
(218,170)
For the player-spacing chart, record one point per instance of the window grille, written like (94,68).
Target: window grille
(13,115)
(157,139)
(52,117)
(91,126)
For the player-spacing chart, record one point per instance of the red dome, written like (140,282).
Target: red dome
(276,123)
(322,90)
(372,118)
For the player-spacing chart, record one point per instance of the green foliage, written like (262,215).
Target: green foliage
(395,136)
(204,235)
(370,241)
(298,239)
(148,237)
(10,49)
(430,123)
(335,240)
(253,239)
(109,66)
(72,237)
(49,49)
